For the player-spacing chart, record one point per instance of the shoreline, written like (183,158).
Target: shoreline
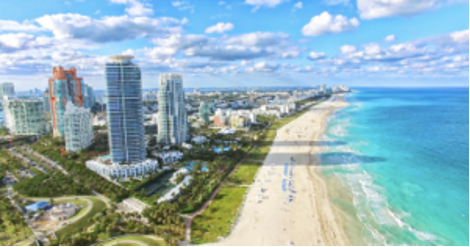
(310,219)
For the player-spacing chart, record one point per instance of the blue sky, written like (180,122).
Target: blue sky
(406,43)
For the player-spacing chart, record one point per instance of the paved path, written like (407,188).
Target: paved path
(127,241)
(189,218)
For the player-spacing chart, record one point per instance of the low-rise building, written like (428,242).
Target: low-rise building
(105,168)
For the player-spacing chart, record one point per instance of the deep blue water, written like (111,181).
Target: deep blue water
(403,156)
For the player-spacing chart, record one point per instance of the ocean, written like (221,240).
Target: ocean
(397,166)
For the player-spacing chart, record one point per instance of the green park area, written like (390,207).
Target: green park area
(84,222)
(245,174)
(216,221)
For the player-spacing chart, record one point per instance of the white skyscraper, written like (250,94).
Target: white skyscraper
(24,116)
(172,120)
(78,130)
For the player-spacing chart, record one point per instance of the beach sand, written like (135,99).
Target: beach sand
(309,218)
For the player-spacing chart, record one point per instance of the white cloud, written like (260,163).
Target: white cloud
(8,25)
(221,3)
(259,39)
(67,3)
(298,5)
(220,28)
(335,2)
(372,9)
(183,5)
(390,38)
(460,36)
(135,8)
(107,29)
(97,12)
(316,55)
(264,3)
(263,67)
(345,49)
(326,24)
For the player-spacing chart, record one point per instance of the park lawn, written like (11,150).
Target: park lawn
(141,238)
(79,225)
(245,174)
(217,219)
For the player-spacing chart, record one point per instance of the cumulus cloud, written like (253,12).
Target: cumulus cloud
(316,55)
(220,28)
(135,8)
(327,24)
(263,67)
(345,49)
(460,36)
(8,25)
(372,9)
(390,38)
(183,5)
(298,5)
(259,39)
(108,29)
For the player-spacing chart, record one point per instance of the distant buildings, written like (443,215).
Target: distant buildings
(204,112)
(124,109)
(78,129)
(6,88)
(65,86)
(24,116)
(150,96)
(172,120)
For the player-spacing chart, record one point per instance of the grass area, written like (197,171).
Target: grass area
(217,219)
(6,239)
(79,225)
(245,173)
(24,242)
(141,238)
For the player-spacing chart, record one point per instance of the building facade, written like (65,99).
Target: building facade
(118,170)
(78,129)
(65,86)
(47,101)
(24,116)
(204,112)
(124,110)
(6,88)
(172,119)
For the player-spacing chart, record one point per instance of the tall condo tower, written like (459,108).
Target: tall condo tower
(124,109)
(172,120)
(6,88)
(64,86)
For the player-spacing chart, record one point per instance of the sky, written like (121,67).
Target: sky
(240,43)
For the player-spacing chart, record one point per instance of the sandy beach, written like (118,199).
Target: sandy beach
(300,212)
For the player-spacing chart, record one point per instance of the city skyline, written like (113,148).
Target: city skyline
(360,43)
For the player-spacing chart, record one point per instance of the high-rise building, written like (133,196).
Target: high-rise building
(78,130)
(65,86)
(204,112)
(6,88)
(47,101)
(172,120)
(24,116)
(124,109)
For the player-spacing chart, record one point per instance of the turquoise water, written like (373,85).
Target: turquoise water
(402,155)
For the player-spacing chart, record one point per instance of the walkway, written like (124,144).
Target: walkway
(127,241)
(189,218)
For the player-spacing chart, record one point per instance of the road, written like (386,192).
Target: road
(45,159)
